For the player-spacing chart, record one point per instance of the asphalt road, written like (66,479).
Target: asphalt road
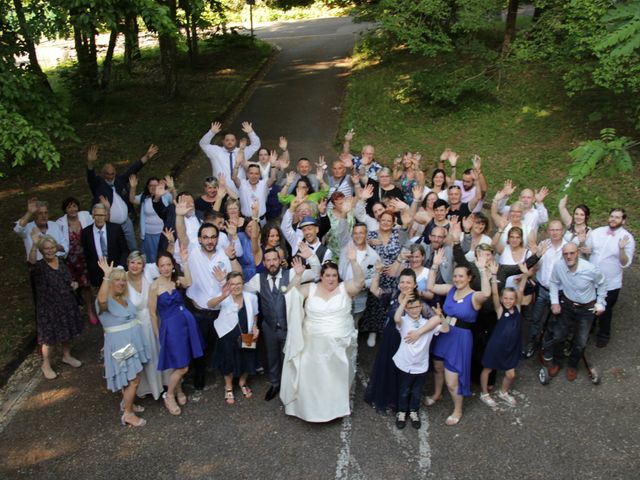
(69,428)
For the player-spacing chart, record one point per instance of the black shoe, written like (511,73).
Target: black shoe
(401,420)
(415,420)
(271,393)
(601,342)
(530,349)
(198,381)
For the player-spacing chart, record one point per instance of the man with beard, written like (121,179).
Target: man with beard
(271,287)
(612,249)
(206,261)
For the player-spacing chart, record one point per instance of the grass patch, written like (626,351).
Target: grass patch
(523,133)
(123,122)
(263,13)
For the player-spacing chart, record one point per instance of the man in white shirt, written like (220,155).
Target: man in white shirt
(253,188)
(223,158)
(473,180)
(544,267)
(533,214)
(612,249)
(37,216)
(204,259)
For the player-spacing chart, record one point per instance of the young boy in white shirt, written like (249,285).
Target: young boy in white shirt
(412,357)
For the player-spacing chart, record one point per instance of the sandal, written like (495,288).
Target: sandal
(429,402)
(135,408)
(452,421)
(140,423)
(228,396)
(170,403)
(182,398)
(246,391)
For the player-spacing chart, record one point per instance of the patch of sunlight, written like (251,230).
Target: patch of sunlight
(22,458)
(51,186)
(526,109)
(10,193)
(543,113)
(50,397)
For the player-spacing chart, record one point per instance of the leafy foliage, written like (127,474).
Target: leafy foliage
(609,148)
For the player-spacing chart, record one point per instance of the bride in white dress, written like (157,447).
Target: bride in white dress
(139,279)
(321,346)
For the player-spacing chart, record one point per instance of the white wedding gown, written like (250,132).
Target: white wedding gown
(151,381)
(320,354)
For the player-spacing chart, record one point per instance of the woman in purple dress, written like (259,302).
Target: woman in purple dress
(452,352)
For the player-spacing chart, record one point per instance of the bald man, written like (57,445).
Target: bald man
(112,190)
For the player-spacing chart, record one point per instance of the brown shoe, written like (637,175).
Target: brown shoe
(553,370)
(572,373)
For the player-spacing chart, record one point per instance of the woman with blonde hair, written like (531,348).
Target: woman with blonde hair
(125,348)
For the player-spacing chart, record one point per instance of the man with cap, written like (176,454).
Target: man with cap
(309,228)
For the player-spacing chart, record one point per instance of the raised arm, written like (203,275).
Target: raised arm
(254,140)
(485,292)
(566,217)
(442,288)
(346,145)
(356,284)
(181,229)
(133,183)
(495,294)
(103,292)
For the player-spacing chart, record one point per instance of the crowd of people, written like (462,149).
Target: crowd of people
(278,269)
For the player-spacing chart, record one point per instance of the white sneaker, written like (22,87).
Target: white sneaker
(487,400)
(371,341)
(506,397)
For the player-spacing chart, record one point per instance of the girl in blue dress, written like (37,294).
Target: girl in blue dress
(125,346)
(505,344)
(452,352)
(175,326)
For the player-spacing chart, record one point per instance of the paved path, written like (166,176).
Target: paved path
(69,428)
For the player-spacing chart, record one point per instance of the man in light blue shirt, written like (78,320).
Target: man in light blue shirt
(577,292)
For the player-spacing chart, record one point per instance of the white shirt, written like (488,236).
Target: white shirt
(414,357)
(204,285)
(96,240)
(546,263)
(85,219)
(533,218)
(605,253)
(119,212)
(53,229)
(367,259)
(248,193)
(327,255)
(219,156)
(363,217)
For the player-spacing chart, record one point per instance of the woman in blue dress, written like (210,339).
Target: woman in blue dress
(452,353)
(125,347)
(175,326)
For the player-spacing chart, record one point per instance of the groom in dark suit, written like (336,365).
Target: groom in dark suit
(271,287)
(103,239)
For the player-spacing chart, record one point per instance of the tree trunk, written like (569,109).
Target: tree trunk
(194,37)
(108,59)
(168,54)
(34,65)
(510,30)
(131,43)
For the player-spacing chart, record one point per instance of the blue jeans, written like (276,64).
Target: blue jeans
(410,386)
(150,246)
(540,312)
(129,234)
(576,319)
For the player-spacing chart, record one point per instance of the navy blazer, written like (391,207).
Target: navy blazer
(117,250)
(99,185)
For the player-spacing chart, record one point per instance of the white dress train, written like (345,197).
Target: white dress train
(320,354)
(151,381)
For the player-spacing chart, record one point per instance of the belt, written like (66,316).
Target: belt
(124,326)
(576,304)
(464,325)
